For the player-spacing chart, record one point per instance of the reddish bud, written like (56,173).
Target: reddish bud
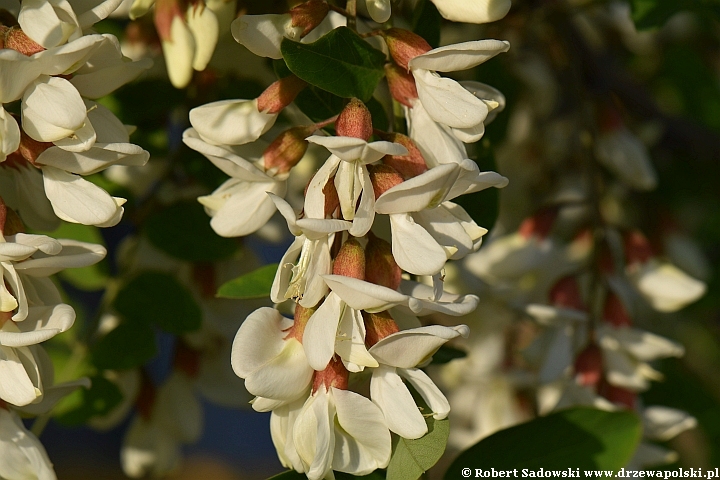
(15,39)
(619,395)
(354,121)
(287,149)
(404,45)
(402,84)
(31,149)
(566,293)
(589,366)
(13,223)
(187,360)
(614,311)
(165,13)
(308,15)
(302,315)
(280,94)
(637,248)
(383,178)
(410,165)
(350,260)
(334,375)
(332,200)
(380,266)
(540,224)
(378,326)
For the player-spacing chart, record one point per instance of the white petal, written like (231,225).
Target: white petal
(74,254)
(414,249)
(19,386)
(362,295)
(203,24)
(389,392)
(665,286)
(350,342)
(42,323)
(259,340)
(425,191)
(9,134)
(447,102)
(23,454)
(351,149)
(49,23)
(314,435)
(459,56)
(179,52)
(285,377)
(321,331)
(477,11)
(247,207)
(261,34)
(410,348)
(435,141)
(428,391)
(52,109)
(231,122)
(663,423)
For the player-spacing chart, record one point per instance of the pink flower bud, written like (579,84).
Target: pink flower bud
(287,149)
(566,293)
(614,312)
(589,366)
(334,375)
(402,84)
(619,395)
(383,178)
(165,13)
(350,260)
(410,165)
(302,315)
(637,248)
(280,94)
(308,15)
(540,224)
(15,39)
(378,326)
(354,121)
(31,149)
(404,45)
(380,266)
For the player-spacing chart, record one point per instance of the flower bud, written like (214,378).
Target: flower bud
(13,223)
(302,315)
(15,39)
(354,121)
(589,366)
(383,178)
(540,224)
(378,326)
(566,293)
(165,13)
(287,149)
(308,15)
(380,266)
(619,395)
(280,94)
(30,149)
(350,260)
(334,375)
(410,165)
(187,360)
(402,84)
(404,45)
(614,311)
(637,248)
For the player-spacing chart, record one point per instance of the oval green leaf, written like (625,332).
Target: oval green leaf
(581,437)
(339,62)
(411,458)
(129,345)
(256,284)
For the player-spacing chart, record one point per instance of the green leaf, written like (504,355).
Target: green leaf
(84,404)
(183,231)
(318,104)
(154,297)
(426,22)
(580,437)
(340,62)
(447,354)
(379,115)
(412,458)
(93,277)
(129,345)
(256,284)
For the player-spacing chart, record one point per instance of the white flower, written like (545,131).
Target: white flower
(398,354)
(240,206)
(477,11)
(664,286)
(231,122)
(626,156)
(268,355)
(9,134)
(348,163)
(340,430)
(22,456)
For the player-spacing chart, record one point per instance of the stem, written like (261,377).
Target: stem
(39,424)
(351,9)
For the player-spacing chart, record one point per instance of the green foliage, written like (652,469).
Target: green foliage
(654,13)
(129,345)
(183,230)
(426,22)
(412,458)
(580,437)
(340,62)
(93,277)
(84,404)
(154,297)
(256,284)
(447,354)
